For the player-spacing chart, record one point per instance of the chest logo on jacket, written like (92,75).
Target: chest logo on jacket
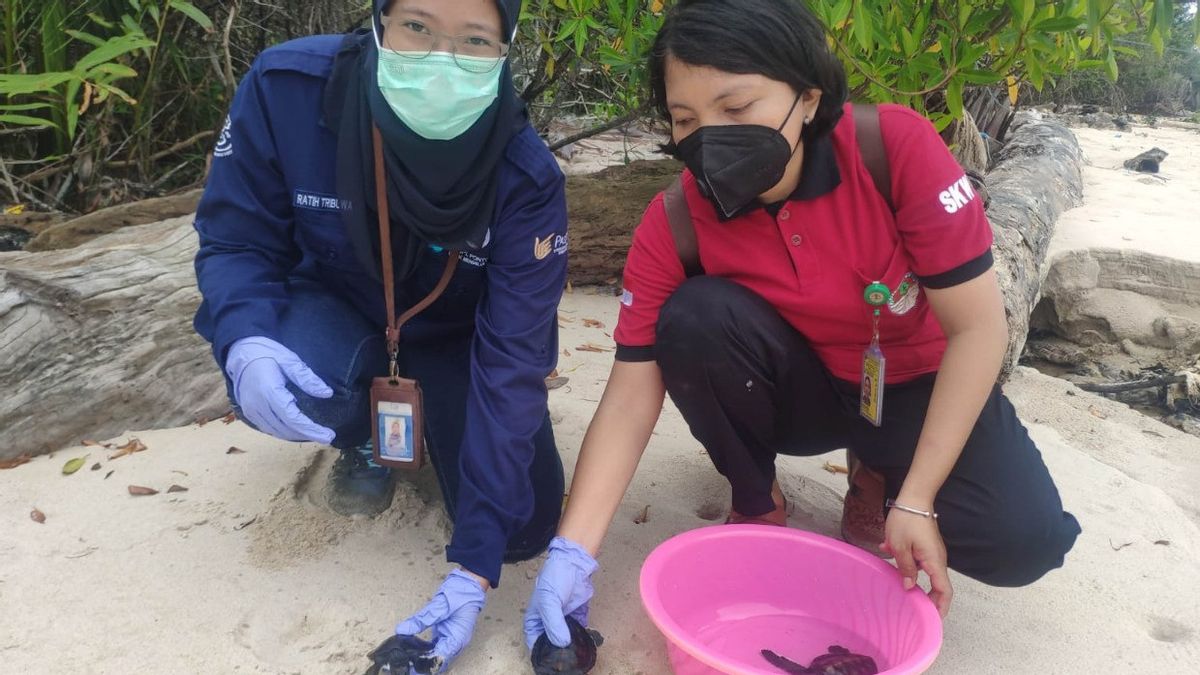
(542,247)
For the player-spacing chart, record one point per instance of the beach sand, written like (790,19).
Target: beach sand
(248,572)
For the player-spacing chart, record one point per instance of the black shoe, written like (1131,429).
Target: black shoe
(359,486)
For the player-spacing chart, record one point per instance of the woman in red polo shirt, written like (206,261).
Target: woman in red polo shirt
(819,317)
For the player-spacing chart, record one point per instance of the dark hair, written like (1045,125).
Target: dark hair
(779,39)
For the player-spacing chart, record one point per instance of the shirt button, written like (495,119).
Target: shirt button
(796,239)
(785,214)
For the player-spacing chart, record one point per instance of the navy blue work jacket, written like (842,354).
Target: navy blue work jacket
(269,215)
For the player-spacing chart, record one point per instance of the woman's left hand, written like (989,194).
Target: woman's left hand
(916,543)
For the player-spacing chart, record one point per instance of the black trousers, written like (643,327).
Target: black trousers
(749,387)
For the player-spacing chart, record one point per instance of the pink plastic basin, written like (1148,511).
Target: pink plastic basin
(722,594)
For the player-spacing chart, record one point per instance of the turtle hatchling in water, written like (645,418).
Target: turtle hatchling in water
(576,659)
(400,653)
(839,661)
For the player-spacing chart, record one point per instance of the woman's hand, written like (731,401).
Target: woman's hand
(916,543)
(563,588)
(451,614)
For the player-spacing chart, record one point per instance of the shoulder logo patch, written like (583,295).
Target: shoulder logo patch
(225,141)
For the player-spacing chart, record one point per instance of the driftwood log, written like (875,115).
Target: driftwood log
(1037,176)
(97,339)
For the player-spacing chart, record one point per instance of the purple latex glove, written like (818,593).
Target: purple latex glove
(257,367)
(451,614)
(563,588)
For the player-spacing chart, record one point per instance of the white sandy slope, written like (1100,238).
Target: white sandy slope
(112,583)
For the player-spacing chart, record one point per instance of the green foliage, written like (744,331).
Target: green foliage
(103,100)
(924,53)
(586,56)
(1162,80)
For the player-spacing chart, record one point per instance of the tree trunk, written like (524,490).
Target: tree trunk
(98,339)
(1037,176)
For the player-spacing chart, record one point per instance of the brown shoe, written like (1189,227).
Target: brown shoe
(777,517)
(862,510)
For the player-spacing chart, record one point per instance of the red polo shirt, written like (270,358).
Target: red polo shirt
(814,255)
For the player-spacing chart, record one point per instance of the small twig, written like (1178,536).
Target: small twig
(1118,387)
(18,195)
(126,163)
(1118,547)
(21,130)
(227,73)
(154,187)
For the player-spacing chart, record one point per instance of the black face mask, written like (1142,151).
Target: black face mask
(734,164)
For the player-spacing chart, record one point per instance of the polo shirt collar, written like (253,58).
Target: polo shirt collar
(820,174)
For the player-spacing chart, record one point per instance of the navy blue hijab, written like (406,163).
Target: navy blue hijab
(439,192)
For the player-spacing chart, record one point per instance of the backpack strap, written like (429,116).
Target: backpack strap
(872,149)
(682,229)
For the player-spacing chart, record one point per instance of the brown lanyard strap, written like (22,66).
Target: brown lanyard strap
(385,247)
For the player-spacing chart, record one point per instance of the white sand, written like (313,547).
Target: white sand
(168,583)
(1156,214)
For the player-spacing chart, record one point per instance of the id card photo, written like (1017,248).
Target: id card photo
(395,431)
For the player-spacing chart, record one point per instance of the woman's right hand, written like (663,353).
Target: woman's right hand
(563,588)
(257,367)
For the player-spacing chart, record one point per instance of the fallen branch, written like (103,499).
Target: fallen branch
(597,130)
(1118,387)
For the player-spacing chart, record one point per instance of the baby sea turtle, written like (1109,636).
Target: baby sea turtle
(400,653)
(576,659)
(839,661)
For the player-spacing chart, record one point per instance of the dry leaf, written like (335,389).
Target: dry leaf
(235,451)
(594,348)
(176,488)
(73,465)
(553,383)
(15,462)
(246,524)
(96,466)
(37,516)
(134,445)
(570,288)
(88,443)
(139,491)
(1097,412)
(109,474)
(592,323)
(229,418)
(643,517)
(1162,542)
(1118,547)
(835,468)
(566,352)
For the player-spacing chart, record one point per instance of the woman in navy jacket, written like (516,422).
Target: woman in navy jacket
(289,270)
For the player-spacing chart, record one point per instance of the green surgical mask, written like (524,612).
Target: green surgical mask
(434,96)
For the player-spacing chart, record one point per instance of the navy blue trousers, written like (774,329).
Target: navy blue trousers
(347,351)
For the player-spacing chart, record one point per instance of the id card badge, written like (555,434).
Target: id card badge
(397,433)
(873,372)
